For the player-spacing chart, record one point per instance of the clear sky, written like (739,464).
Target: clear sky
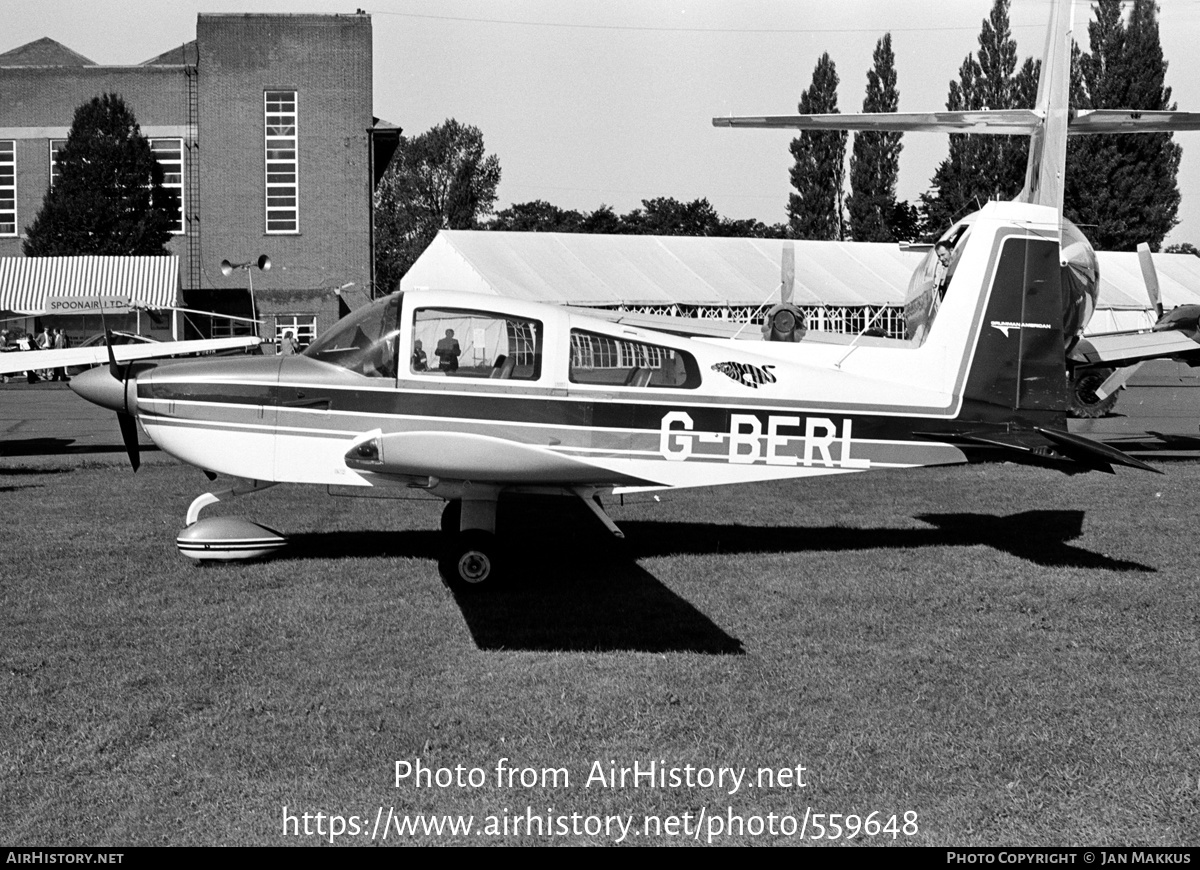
(592,102)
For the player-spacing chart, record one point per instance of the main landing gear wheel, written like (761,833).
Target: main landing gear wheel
(1085,404)
(471,561)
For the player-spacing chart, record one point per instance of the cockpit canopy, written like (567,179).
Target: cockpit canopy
(365,341)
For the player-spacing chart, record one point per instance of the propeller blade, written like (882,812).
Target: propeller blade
(1150,276)
(787,273)
(129,435)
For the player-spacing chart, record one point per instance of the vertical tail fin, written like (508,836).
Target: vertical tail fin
(1018,362)
(1046,169)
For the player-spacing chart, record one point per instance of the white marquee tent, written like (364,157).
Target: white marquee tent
(840,285)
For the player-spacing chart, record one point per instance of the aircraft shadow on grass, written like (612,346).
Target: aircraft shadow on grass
(57,446)
(576,589)
(577,593)
(28,472)
(1041,537)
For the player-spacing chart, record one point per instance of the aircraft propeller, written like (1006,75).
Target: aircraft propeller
(785,321)
(125,420)
(1150,276)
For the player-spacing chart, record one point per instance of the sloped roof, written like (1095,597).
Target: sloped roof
(43,52)
(27,282)
(181,55)
(610,270)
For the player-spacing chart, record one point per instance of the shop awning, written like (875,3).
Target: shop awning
(85,285)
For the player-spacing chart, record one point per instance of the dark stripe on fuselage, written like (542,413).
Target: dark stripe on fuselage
(581,412)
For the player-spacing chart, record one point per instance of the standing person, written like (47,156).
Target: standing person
(45,341)
(60,343)
(448,352)
(288,344)
(420,363)
(29,343)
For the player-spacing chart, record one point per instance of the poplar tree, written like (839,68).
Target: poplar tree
(875,158)
(108,199)
(984,167)
(818,174)
(1123,188)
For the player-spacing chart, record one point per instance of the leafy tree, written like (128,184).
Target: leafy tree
(666,216)
(538,216)
(441,179)
(875,159)
(108,199)
(1123,187)
(1183,248)
(984,167)
(818,175)
(602,220)
(906,222)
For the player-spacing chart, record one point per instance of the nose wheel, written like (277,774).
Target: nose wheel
(471,561)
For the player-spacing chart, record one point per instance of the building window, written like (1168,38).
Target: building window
(8,188)
(283,180)
(302,326)
(56,146)
(169,154)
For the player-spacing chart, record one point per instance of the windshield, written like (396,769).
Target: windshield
(364,341)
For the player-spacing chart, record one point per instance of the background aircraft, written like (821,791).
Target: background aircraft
(21,361)
(1100,364)
(468,397)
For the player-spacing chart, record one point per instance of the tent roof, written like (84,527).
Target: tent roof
(610,270)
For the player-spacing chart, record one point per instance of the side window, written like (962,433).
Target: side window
(617,362)
(476,344)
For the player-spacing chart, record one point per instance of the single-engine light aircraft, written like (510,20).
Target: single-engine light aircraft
(468,396)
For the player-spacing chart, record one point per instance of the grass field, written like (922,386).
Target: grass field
(1009,654)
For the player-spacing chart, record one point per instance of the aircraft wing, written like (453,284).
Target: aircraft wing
(25,360)
(1132,121)
(1012,122)
(1126,348)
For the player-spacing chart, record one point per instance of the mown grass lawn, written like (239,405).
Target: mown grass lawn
(1010,654)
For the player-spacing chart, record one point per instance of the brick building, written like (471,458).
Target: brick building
(264,125)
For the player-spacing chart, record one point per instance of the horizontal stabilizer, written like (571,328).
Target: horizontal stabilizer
(1085,449)
(1009,122)
(1132,121)
(1000,122)
(1046,447)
